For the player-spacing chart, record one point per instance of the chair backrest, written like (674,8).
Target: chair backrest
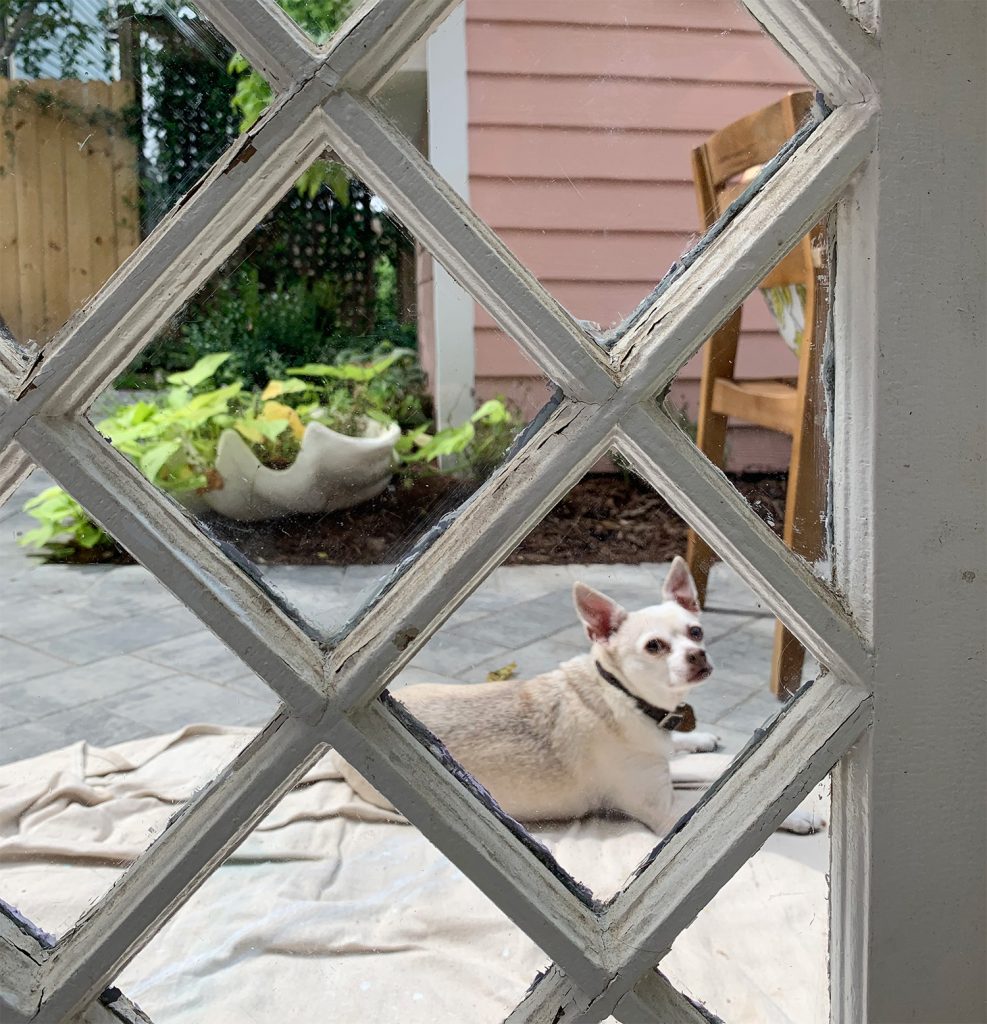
(722,168)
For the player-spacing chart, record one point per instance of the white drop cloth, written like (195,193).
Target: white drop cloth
(332,910)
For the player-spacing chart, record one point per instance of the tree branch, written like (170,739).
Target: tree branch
(20,24)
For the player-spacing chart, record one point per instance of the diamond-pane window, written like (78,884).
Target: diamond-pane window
(604,953)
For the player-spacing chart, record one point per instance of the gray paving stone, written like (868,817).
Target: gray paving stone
(122,637)
(250,684)
(28,740)
(531,660)
(366,575)
(52,584)
(313,585)
(450,654)
(522,582)
(524,621)
(744,654)
(574,637)
(179,673)
(200,654)
(477,605)
(75,685)
(717,625)
(751,714)
(647,577)
(183,617)
(411,676)
(726,590)
(123,590)
(285,576)
(20,661)
(98,723)
(11,716)
(178,701)
(725,690)
(37,616)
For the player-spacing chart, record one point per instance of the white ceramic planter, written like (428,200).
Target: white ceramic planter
(332,471)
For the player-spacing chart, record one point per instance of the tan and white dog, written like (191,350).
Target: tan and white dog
(595,734)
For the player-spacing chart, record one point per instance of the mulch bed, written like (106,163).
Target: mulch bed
(605,518)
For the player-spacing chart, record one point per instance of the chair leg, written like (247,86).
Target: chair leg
(787,659)
(698,554)
(719,357)
(804,504)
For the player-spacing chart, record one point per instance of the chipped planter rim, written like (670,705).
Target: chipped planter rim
(332,471)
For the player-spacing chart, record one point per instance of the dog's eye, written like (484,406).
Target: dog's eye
(695,633)
(657,647)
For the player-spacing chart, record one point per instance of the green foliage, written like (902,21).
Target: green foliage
(319,18)
(253,95)
(64,526)
(37,31)
(173,439)
(304,285)
(264,331)
(474,447)
(187,118)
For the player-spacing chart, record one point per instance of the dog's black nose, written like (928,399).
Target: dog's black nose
(697,659)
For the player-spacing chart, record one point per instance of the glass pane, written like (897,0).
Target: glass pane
(318,19)
(575,141)
(107,118)
(758,401)
(116,704)
(292,406)
(327,905)
(587,650)
(759,950)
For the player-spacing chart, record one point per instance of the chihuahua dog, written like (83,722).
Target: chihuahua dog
(595,734)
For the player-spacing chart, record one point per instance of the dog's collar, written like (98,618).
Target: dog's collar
(681,719)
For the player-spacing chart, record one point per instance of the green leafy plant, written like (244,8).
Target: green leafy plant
(173,438)
(474,446)
(253,95)
(265,331)
(40,31)
(65,529)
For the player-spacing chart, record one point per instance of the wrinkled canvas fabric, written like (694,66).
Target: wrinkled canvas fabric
(335,907)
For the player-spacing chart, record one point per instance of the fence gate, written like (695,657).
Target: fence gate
(915,80)
(68,197)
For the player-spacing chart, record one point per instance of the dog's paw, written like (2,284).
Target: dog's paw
(696,742)
(805,820)
(812,815)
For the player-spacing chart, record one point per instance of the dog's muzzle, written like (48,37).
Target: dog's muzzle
(700,667)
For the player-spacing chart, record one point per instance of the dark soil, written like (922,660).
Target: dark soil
(605,518)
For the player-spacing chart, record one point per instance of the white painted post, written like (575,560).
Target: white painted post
(910,804)
(448,151)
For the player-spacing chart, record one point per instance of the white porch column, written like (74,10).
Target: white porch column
(910,829)
(448,149)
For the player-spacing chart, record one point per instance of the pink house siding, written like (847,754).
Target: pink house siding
(582,118)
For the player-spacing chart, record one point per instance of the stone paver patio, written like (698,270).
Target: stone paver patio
(106,654)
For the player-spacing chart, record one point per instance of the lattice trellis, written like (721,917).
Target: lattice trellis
(605,955)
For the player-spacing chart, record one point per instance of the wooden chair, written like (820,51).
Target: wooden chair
(793,408)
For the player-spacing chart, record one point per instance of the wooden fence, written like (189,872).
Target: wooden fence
(68,198)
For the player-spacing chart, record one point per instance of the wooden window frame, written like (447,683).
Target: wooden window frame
(604,955)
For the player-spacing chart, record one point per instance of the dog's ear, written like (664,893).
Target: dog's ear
(601,615)
(680,587)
